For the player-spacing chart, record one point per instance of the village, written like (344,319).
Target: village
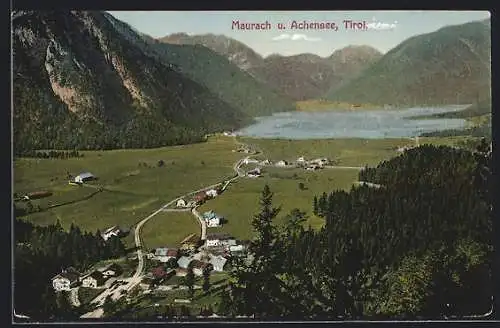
(207,254)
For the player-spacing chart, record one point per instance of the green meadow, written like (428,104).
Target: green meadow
(135,184)
(241,200)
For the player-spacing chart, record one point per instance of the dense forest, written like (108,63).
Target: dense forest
(419,247)
(41,253)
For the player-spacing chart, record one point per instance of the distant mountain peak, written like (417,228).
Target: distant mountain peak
(448,66)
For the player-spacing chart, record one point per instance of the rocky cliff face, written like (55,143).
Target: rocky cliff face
(79,82)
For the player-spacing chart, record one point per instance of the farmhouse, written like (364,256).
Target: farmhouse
(191,203)
(112,271)
(164,254)
(281,163)
(83,177)
(200,267)
(200,198)
(160,272)
(250,161)
(183,262)
(236,248)
(254,173)
(113,231)
(181,203)
(66,279)
(95,280)
(218,263)
(211,193)
(212,219)
(219,239)
(319,161)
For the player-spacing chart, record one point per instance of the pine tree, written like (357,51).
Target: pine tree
(315,205)
(189,281)
(206,281)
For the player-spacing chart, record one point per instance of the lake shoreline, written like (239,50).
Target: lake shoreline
(375,123)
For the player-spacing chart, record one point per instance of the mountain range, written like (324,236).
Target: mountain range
(86,80)
(449,66)
(89,81)
(299,77)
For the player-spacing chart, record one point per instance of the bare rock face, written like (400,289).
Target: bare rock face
(83,80)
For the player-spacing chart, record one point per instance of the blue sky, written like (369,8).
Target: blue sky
(386,28)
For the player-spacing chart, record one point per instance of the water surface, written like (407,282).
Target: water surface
(373,124)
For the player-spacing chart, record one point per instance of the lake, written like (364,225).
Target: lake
(373,124)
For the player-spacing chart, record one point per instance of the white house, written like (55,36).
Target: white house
(95,280)
(236,248)
(319,161)
(213,222)
(219,239)
(313,167)
(191,203)
(181,203)
(250,160)
(281,163)
(183,262)
(112,270)
(254,173)
(211,193)
(65,280)
(301,159)
(110,232)
(218,263)
(165,254)
(82,177)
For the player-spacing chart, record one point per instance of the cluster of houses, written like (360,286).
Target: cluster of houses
(198,199)
(70,278)
(309,165)
(211,257)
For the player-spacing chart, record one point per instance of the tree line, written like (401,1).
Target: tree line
(58,154)
(418,248)
(41,252)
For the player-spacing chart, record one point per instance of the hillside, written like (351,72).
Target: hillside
(221,76)
(79,83)
(237,52)
(449,66)
(299,77)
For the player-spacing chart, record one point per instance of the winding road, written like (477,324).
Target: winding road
(129,283)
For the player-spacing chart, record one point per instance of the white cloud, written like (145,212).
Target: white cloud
(374,25)
(295,37)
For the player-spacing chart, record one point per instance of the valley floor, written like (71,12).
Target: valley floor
(133,183)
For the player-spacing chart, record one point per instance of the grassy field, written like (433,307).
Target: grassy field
(346,152)
(134,185)
(85,295)
(132,190)
(284,183)
(168,229)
